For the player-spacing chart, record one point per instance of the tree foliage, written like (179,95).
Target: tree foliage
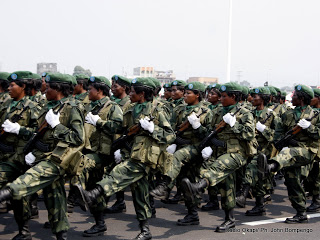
(80,70)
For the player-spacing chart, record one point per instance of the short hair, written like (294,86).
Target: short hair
(265,98)
(65,88)
(124,85)
(236,94)
(101,86)
(84,83)
(303,96)
(4,84)
(148,92)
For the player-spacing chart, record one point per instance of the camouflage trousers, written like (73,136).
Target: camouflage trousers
(292,159)
(312,183)
(49,177)
(8,173)
(220,172)
(133,174)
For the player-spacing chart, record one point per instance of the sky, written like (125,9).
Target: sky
(272,40)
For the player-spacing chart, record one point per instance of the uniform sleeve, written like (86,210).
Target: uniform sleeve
(245,127)
(113,124)
(203,130)
(314,130)
(163,132)
(74,133)
(268,132)
(27,130)
(279,127)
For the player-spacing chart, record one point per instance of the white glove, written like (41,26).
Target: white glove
(304,123)
(52,118)
(228,118)
(206,152)
(284,149)
(92,119)
(172,148)
(11,127)
(260,127)
(146,124)
(117,156)
(30,158)
(194,121)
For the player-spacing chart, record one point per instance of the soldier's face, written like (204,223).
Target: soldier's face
(44,85)
(93,93)
(295,100)
(15,91)
(135,97)
(257,100)
(227,100)
(77,89)
(167,93)
(117,90)
(176,93)
(190,98)
(51,93)
(213,97)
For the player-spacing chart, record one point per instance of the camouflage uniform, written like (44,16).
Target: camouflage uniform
(294,157)
(39,99)
(12,164)
(83,97)
(64,142)
(143,157)
(4,96)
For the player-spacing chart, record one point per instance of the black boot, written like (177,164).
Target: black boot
(71,200)
(300,217)
(315,205)
(61,235)
(162,190)
(193,190)
(191,218)
(119,206)
(258,209)
(87,199)
(228,223)
(264,168)
(243,193)
(98,229)
(24,233)
(213,203)
(176,198)
(145,233)
(34,206)
(4,207)
(5,194)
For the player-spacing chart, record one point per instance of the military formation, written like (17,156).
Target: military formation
(102,136)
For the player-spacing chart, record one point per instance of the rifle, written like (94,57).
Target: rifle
(33,141)
(124,140)
(288,137)
(14,118)
(184,126)
(211,137)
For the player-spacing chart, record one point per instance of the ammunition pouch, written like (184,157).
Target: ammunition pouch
(42,146)
(182,141)
(6,148)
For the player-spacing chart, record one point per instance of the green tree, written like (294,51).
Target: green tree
(80,70)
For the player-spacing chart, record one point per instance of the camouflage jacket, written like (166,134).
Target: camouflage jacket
(100,137)
(4,96)
(66,139)
(39,99)
(193,135)
(83,97)
(146,146)
(307,138)
(27,122)
(241,137)
(266,137)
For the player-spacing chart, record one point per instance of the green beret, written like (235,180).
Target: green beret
(214,85)
(231,87)
(178,83)
(59,78)
(44,74)
(277,89)
(260,90)
(121,79)
(305,89)
(4,76)
(167,85)
(100,79)
(145,82)
(316,92)
(251,91)
(155,81)
(81,77)
(20,75)
(273,91)
(195,86)
(245,90)
(36,76)
(283,94)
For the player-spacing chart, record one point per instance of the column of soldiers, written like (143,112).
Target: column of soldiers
(225,138)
